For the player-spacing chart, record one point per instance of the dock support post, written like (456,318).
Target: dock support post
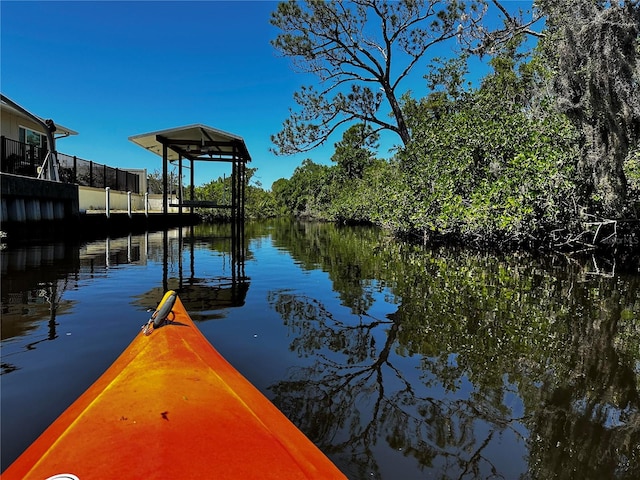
(180,197)
(165,174)
(129,204)
(146,204)
(108,201)
(191,188)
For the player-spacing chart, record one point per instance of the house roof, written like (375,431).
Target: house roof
(195,142)
(6,104)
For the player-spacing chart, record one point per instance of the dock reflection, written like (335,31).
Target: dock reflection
(35,278)
(204,296)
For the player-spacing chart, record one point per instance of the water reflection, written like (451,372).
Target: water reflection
(35,277)
(204,296)
(398,362)
(33,281)
(68,310)
(523,367)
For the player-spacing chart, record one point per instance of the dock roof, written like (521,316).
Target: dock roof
(195,142)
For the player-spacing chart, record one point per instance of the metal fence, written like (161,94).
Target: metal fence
(24,159)
(85,172)
(20,158)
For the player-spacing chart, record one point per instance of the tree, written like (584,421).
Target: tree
(356,150)
(481,41)
(154,182)
(280,190)
(354,47)
(594,47)
(307,191)
(481,167)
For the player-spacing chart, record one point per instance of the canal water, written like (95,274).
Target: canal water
(398,362)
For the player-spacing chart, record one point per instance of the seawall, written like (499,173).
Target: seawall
(34,210)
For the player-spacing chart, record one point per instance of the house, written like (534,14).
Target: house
(38,183)
(26,139)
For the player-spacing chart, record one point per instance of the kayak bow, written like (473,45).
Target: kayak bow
(172,407)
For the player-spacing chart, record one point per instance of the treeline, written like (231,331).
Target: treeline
(542,151)
(496,164)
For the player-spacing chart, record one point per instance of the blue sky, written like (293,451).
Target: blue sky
(110,70)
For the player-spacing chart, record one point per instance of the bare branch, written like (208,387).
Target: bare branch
(346,44)
(481,41)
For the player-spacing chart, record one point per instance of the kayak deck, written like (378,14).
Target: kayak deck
(172,407)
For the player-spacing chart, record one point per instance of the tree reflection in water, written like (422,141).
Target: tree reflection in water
(488,368)
(348,406)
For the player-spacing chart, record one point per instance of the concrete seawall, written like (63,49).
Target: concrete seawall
(26,199)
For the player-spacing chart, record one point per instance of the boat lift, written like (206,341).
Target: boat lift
(199,143)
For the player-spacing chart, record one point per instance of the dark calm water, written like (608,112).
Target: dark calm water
(399,363)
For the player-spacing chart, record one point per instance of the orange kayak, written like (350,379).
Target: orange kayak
(172,407)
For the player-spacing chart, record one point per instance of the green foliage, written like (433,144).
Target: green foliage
(280,192)
(217,191)
(499,164)
(490,168)
(363,200)
(491,165)
(308,192)
(258,202)
(356,150)
(632,173)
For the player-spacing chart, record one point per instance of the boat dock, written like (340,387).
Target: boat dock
(34,209)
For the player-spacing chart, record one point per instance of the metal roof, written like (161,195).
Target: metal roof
(194,142)
(12,107)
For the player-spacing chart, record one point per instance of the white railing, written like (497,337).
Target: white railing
(91,199)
